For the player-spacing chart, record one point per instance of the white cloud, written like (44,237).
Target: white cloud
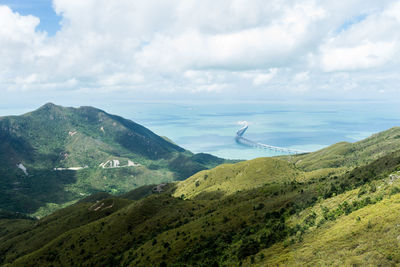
(205,47)
(301,76)
(363,56)
(261,78)
(265,45)
(215,88)
(370,43)
(18,44)
(15,28)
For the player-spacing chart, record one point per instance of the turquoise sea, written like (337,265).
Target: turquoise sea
(211,128)
(308,126)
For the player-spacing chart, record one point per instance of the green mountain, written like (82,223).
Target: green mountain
(351,154)
(285,211)
(53,156)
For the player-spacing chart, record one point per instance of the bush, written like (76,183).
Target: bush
(346,208)
(362,191)
(248,247)
(321,222)
(372,188)
(394,190)
(310,219)
(258,206)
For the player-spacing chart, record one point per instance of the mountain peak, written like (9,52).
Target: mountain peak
(49,106)
(48,109)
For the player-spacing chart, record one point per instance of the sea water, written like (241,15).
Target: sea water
(308,126)
(211,127)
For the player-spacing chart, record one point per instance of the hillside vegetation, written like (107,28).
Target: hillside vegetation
(227,179)
(351,154)
(54,156)
(262,212)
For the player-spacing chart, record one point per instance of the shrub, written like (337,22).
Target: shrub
(394,190)
(310,219)
(321,222)
(248,247)
(346,208)
(372,188)
(258,206)
(362,191)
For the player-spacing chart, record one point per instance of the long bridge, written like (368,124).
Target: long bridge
(242,140)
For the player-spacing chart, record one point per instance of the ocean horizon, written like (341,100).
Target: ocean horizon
(307,126)
(211,127)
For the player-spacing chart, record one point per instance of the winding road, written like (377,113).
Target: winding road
(240,139)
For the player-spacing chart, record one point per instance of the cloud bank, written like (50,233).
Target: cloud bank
(240,49)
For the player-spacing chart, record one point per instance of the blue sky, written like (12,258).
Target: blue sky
(97,51)
(49,20)
(352,21)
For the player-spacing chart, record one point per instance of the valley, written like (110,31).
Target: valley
(330,207)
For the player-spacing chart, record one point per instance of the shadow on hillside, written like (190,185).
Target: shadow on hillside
(14,149)
(27,194)
(138,193)
(142,146)
(214,195)
(184,167)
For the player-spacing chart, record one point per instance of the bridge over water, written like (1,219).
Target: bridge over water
(242,140)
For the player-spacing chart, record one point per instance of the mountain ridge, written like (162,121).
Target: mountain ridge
(74,152)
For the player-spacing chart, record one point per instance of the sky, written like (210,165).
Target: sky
(78,52)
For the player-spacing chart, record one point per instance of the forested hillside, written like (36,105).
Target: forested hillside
(262,212)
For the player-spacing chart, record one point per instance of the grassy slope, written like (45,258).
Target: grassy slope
(169,229)
(227,179)
(368,236)
(350,154)
(43,231)
(334,160)
(328,216)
